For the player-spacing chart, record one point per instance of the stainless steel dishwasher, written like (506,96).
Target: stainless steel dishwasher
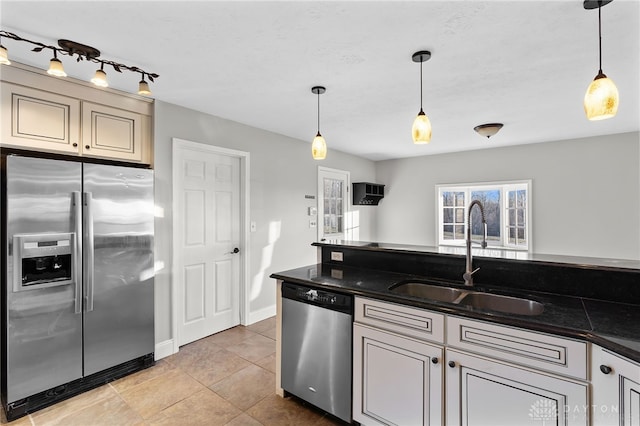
(317,347)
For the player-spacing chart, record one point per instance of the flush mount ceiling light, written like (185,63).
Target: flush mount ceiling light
(488,130)
(601,99)
(421,125)
(82,53)
(319,146)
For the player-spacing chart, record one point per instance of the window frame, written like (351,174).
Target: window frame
(504,187)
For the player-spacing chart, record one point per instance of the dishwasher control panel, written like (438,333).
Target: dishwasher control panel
(326,299)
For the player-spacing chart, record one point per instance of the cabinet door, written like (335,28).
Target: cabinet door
(616,389)
(396,380)
(113,133)
(484,392)
(36,119)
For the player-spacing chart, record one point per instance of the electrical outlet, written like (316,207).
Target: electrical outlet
(336,255)
(252,227)
(312,223)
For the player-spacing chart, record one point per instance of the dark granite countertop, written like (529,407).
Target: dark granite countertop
(612,325)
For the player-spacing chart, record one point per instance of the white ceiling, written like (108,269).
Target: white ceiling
(524,63)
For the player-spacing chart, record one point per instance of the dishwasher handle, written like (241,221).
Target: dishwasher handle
(318,297)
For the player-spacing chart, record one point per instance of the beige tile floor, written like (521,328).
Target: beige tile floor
(224,379)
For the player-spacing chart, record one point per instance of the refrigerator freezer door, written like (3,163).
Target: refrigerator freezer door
(43,330)
(118,318)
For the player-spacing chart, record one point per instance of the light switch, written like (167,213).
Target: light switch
(252,226)
(312,211)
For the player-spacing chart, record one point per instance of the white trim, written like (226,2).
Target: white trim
(164,349)
(244,157)
(261,314)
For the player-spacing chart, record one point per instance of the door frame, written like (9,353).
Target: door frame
(244,158)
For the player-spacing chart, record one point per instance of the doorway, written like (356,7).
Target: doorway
(210,211)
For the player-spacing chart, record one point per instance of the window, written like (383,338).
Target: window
(506,205)
(333,204)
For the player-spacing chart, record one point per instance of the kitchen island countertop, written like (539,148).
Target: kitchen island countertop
(611,325)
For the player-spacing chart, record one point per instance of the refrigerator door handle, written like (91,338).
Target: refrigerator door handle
(76,197)
(88,252)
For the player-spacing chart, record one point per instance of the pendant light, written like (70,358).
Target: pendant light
(55,66)
(421,125)
(4,55)
(100,78)
(319,146)
(143,87)
(601,99)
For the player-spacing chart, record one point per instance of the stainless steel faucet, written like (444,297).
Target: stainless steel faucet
(468,273)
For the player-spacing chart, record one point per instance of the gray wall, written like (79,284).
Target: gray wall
(281,173)
(586,193)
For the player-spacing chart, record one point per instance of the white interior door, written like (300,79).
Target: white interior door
(206,241)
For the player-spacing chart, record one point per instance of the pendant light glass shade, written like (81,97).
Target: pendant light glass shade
(601,99)
(100,78)
(4,56)
(143,88)
(319,147)
(421,129)
(55,68)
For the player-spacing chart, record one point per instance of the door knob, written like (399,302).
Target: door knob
(235,250)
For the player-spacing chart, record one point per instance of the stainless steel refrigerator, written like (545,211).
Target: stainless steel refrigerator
(77,278)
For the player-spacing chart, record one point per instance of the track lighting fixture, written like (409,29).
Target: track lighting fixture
(82,52)
(55,66)
(601,99)
(421,125)
(319,146)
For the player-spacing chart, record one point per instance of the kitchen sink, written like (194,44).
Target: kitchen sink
(505,304)
(429,291)
(464,297)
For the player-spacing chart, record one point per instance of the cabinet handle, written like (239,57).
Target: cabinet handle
(434,360)
(605,369)
(75,144)
(87,147)
(452,364)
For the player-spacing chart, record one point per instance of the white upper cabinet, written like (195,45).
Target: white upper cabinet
(66,116)
(35,119)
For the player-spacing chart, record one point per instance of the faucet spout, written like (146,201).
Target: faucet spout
(469,271)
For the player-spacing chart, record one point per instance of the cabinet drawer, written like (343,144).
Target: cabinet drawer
(401,319)
(537,350)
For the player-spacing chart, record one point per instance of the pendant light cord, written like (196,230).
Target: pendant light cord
(318,111)
(600,35)
(421,84)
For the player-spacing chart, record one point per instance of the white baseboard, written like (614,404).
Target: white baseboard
(261,314)
(164,349)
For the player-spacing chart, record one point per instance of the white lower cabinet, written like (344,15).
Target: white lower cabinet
(482,391)
(397,380)
(616,389)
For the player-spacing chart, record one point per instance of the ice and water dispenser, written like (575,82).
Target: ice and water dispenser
(43,260)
